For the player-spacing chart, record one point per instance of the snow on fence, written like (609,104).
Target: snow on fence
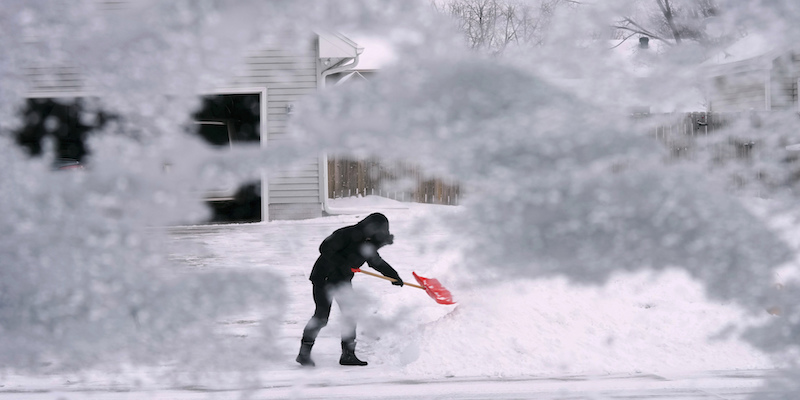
(399,181)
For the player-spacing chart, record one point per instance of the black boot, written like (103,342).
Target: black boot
(349,354)
(304,358)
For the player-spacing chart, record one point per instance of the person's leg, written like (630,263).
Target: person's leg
(323,302)
(322,312)
(345,298)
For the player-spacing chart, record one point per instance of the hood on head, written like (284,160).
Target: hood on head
(376,227)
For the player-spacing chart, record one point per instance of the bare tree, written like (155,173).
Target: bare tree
(673,21)
(493,25)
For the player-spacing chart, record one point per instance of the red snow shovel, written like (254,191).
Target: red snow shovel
(430,286)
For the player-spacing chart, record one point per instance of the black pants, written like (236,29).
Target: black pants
(324,294)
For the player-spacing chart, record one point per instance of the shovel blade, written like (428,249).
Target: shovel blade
(435,289)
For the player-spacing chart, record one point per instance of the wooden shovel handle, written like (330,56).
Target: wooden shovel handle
(390,279)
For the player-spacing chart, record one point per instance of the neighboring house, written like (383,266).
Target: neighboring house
(625,75)
(633,57)
(643,60)
(377,54)
(274,79)
(753,74)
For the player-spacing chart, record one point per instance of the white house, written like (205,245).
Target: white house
(753,74)
(275,78)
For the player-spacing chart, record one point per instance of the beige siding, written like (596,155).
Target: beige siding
(288,77)
(783,93)
(783,83)
(742,91)
(295,211)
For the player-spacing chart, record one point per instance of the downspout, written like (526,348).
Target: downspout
(768,90)
(324,75)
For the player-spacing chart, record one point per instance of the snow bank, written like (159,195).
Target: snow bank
(649,322)
(638,323)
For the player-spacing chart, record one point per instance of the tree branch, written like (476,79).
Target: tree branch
(667,11)
(622,41)
(642,31)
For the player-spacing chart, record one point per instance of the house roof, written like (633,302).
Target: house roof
(629,57)
(335,45)
(755,51)
(645,68)
(749,48)
(378,53)
(351,76)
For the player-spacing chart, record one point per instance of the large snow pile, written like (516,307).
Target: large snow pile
(636,323)
(655,322)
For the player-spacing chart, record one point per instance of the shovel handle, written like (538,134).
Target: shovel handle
(387,278)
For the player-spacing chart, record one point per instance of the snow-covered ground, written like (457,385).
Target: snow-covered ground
(584,265)
(641,335)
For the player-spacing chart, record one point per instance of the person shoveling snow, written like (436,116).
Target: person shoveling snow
(332,276)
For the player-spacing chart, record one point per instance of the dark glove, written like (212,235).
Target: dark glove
(397,281)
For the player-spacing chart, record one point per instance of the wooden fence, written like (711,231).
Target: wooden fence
(399,181)
(405,182)
(679,131)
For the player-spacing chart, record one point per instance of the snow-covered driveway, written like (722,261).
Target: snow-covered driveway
(351,384)
(634,339)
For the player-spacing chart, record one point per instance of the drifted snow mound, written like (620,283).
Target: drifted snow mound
(648,323)
(553,185)
(85,281)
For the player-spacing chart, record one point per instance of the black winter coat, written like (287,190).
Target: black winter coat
(350,247)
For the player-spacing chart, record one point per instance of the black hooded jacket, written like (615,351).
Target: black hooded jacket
(350,247)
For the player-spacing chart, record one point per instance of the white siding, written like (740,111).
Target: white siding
(760,84)
(54,81)
(288,76)
(743,91)
(784,82)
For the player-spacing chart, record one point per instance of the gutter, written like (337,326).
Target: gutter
(339,67)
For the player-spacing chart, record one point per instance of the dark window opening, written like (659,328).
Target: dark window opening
(225,120)
(66,120)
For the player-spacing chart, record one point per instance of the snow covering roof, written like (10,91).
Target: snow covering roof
(335,45)
(377,52)
(755,51)
(629,56)
(749,48)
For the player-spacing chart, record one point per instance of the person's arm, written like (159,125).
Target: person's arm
(377,263)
